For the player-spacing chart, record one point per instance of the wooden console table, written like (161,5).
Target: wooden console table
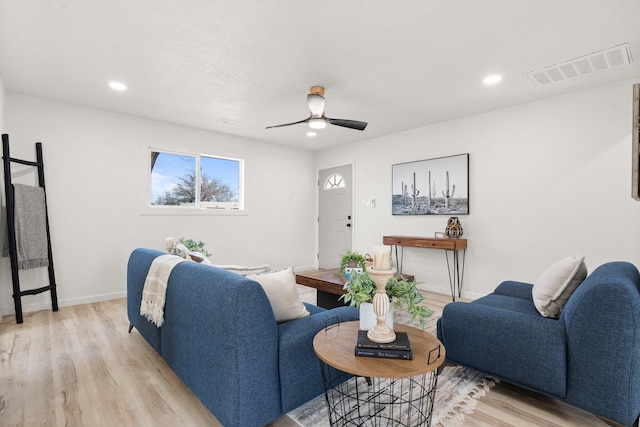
(454,246)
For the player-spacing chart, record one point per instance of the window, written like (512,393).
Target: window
(176,182)
(334,181)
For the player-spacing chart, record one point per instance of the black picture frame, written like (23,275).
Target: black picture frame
(438,186)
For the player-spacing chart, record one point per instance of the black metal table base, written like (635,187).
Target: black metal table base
(379,402)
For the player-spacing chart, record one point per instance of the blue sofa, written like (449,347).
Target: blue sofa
(589,357)
(221,338)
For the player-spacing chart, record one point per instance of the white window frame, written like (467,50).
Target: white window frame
(197,209)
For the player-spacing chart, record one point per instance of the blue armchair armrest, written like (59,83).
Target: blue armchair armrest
(602,320)
(137,269)
(502,342)
(515,289)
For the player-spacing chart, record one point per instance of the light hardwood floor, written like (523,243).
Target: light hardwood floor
(80,367)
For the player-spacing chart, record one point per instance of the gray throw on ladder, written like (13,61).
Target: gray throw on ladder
(31,227)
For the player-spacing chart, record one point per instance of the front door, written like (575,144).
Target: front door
(335,221)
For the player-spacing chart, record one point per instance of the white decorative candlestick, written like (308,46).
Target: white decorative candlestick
(381,332)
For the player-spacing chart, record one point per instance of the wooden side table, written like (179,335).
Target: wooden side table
(362,391)
(329,284)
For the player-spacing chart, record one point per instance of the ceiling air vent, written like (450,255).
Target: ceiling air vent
(584,65)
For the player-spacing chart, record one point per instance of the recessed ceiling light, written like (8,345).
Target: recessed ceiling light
(492,79)
(117,86)
(311,133)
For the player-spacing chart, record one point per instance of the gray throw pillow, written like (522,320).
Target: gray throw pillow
(556,284)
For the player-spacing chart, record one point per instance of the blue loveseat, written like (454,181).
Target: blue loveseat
(589,357)
(221,338)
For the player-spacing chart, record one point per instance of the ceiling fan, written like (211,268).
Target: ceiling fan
(317,119)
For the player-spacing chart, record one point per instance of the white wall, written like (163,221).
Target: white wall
(547,180)
(1,103)
(94,168)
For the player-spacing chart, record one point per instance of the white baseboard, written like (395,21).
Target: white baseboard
(447,291)
(28,307)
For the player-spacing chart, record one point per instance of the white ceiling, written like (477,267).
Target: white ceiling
(239,66)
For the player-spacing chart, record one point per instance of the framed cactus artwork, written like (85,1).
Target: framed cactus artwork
(431,187)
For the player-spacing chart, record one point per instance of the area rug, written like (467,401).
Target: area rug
(457,392)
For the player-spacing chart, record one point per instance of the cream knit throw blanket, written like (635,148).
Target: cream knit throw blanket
(155,288)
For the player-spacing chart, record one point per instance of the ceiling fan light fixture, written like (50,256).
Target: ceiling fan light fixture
(317,123)
(317,120)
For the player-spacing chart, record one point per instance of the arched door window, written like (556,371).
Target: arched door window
(334,181)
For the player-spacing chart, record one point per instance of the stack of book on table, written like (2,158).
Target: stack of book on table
(398,349)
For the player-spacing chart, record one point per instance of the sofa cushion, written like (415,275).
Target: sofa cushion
(554,286)
(282,292)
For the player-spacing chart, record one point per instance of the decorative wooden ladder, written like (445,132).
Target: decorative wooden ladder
(11,228)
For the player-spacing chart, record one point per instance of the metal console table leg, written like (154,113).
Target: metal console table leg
(456,272)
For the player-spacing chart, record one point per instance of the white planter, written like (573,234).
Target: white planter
(368,317)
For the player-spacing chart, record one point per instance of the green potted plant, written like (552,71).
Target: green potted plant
(353,260)
(195,245)
(402,293)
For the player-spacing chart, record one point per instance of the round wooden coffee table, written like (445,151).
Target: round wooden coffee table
(370,391)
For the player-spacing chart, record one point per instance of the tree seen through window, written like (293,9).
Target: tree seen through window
(174,181)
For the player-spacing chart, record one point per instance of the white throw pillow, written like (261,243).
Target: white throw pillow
(282,292)
(554,286)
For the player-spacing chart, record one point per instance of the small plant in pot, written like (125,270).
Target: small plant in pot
(352,259)
(402,293)
(195,245)
(191,249)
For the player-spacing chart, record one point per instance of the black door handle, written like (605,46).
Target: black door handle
(348,225)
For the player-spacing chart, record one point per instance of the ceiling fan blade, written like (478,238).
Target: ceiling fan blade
(289,124)
(316,104)
(351,124)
